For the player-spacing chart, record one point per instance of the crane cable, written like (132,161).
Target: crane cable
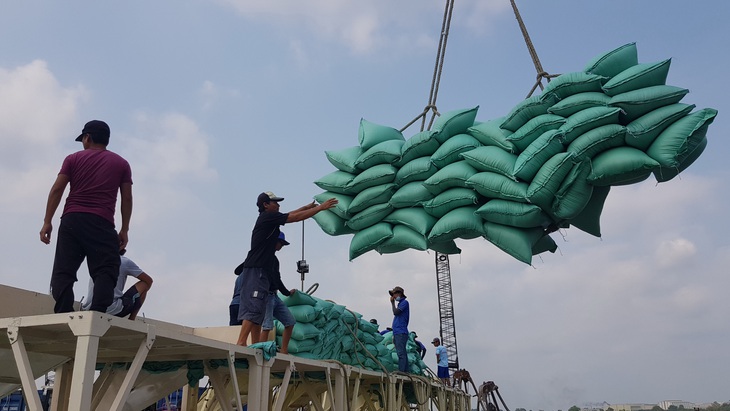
(438,68)
(541,73)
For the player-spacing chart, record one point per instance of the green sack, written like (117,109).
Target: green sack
(577,102)
(493,185)
(454,122)
(450,199)
(301,331)
(536,154)
(574,192)
(586,120)
(303,313)
(410,195)
(331,223)
(517,242)
(345,159)
(595,141)
(337,182)
(369,239)
(680,139)
(343,203)
(514,214)
(545,243)
(546,183)
(641,132)
(373,176)
(589,219)
(491,158)
(526,110)
(444,247)
(371,134)
(382,153)
(490,133)
(620,166)
(403,238)
(663,174)
(458,223)
(569,84)
(371,196)
(369,216)
(449,151)
(415,218)
(422,144)
(453,175)
(638,76)
(613,62)
(533,129)
(298,298)
(639,102)
(417,169)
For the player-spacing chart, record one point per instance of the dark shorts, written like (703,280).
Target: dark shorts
(130,302)
(233,314)
(275,308)
(443,372)
(254,295)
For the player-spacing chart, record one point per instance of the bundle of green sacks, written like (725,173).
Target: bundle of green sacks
(548,164)
(329,331)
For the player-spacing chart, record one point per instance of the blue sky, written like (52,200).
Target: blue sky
(213,102)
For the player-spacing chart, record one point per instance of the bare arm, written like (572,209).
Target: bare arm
(144,283)
(309,210)
(54,199)
(126,208)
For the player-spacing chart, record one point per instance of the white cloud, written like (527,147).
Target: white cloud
(675,251)
(211,94)
(37,117)
(367,27)
(169,146)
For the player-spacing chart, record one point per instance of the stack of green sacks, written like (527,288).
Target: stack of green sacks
(548,164)
(329,331)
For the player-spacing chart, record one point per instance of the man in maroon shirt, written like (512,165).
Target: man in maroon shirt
(87,222)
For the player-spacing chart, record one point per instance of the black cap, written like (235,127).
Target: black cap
(267,197)
(99,131)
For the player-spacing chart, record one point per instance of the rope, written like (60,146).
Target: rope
(541,74)
(437,70)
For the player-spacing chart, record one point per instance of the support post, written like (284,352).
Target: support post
(234,378)
(87,328)
(133,372)
(190,398)
(61,387)
(30,392)
(281,396)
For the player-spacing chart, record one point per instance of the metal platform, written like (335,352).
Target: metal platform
(104,362)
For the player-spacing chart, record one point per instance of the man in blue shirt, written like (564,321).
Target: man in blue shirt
(443,361)
(401,314)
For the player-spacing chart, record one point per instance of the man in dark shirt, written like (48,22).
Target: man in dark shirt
(275,308)
(260,259)
(420,348)
(87,223)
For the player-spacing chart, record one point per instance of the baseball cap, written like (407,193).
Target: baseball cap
(267,197)
(98,129)
(282,238)
(436,340)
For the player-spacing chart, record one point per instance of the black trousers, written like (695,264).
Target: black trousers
(85,235)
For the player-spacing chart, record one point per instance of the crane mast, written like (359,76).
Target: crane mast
(447,328)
